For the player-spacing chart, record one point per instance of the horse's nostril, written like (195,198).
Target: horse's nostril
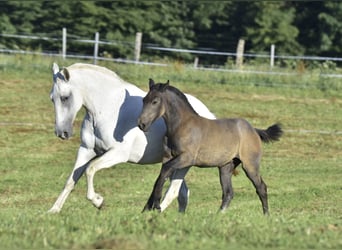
(65,134)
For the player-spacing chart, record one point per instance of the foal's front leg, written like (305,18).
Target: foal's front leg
(154,199)
(165,172)
(177,189)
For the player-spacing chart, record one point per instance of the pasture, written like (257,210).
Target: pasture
(302,171)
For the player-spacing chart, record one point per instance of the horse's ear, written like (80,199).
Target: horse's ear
(151,83)
(167,83)
(55,68)
(66,74)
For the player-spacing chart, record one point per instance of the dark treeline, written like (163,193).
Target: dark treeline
(295,27)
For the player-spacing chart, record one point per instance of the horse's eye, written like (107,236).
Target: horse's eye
(154,102)
(64,99)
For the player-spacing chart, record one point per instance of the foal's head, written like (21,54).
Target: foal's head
(163,99)
(153,106)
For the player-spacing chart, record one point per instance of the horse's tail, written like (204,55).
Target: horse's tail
(272,133)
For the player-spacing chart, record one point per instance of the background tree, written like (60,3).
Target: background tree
(320,27)
(295,27)
(273,24)
(18,17)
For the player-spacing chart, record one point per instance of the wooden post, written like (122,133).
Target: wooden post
(96,47)
(196,62)
(64,41)
(137,49)
(239,53)
(272,55)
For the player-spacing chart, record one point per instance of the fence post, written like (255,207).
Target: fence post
(239,53)
(96,46)
(138,37)
(196,62)
(272,55)
(64,42)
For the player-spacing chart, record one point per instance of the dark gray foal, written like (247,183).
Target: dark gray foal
(192,140)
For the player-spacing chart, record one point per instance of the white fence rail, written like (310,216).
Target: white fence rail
(138,47)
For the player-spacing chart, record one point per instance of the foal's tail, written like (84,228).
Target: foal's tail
(272,133)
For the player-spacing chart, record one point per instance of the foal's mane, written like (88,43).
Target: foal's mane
(177,92)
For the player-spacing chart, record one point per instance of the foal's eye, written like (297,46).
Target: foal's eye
(64,99)
(154,102)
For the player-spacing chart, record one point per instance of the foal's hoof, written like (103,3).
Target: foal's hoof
(221,211)
(157,207)
(147,207)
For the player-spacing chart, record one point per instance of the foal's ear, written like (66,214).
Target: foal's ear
(151,83)
(66,74)
(167,83)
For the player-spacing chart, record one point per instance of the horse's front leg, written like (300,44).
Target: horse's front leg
(83,157)
(110,158)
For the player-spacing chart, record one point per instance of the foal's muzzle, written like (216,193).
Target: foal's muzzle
(142,125)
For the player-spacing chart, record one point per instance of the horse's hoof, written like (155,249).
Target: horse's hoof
(98,201)
(53,211)
(101,206)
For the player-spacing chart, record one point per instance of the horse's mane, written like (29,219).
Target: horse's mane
(93,67)
(178,93)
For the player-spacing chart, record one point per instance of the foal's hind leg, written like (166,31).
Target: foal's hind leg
(226,172)
(252,172)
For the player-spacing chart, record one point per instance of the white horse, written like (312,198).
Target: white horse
(109,133)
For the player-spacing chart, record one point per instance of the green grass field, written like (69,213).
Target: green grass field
(303,170)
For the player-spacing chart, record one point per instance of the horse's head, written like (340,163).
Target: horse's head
(66,100)
(153,106)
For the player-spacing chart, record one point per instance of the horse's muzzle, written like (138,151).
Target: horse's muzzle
(64,135)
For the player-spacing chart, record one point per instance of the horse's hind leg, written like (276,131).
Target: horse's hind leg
(252,172)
